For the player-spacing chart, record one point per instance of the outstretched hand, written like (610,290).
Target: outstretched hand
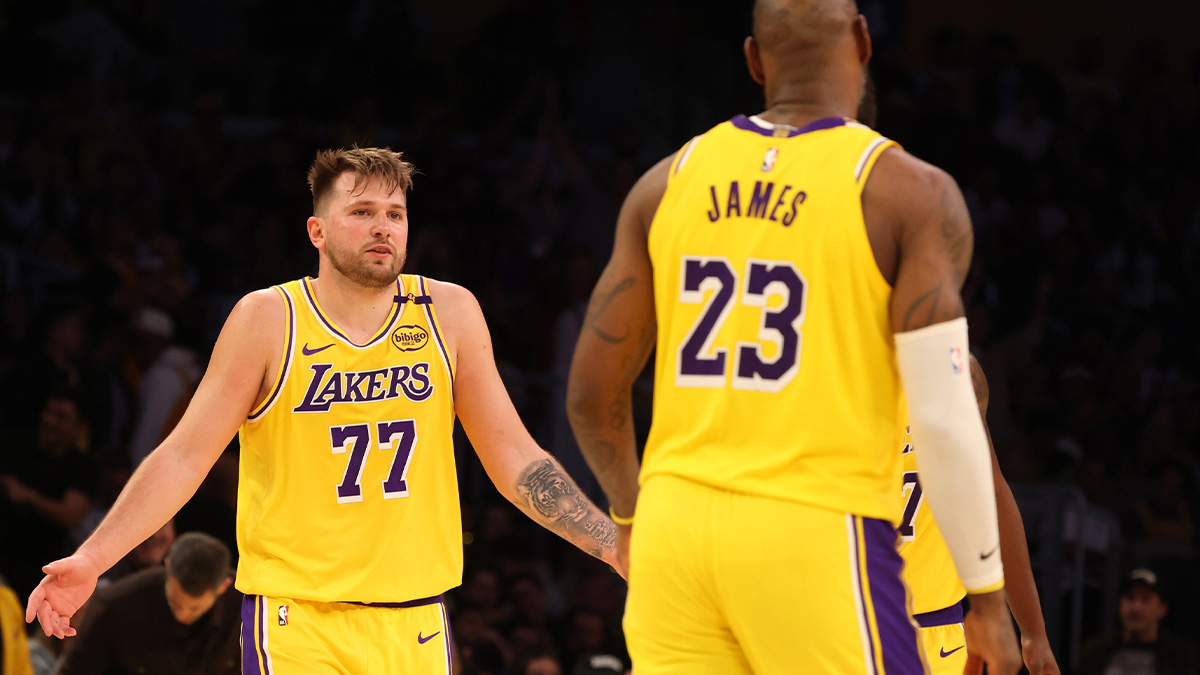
(1039,659)
(67,585)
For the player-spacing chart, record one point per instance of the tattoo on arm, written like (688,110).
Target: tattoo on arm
(551,494)
(943,302)
(599,305)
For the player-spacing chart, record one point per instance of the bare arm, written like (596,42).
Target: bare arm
(250,340)
(523,472)
(617,337)
(1021,591)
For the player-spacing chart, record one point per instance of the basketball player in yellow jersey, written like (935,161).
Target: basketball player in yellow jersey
(929,571)
(784,265)
(345,388)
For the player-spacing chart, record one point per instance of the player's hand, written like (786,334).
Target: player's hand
(67,585)
(1038,657)
(990,636)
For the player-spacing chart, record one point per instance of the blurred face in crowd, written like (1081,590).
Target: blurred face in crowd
(543,665)
(59,427)
(1141,611)
(187,608)
(363,231)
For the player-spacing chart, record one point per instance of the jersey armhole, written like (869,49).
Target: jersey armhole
(870,155)
(285,360)
(682,158)
(436,329)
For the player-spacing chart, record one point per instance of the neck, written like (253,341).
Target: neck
(352,306)
(797,103)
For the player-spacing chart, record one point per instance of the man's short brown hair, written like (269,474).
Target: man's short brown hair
(366,163)
(199,562)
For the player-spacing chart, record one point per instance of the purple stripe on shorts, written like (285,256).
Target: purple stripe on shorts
(449,641)
(249,654)
(897,635)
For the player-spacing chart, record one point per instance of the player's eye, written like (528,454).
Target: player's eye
(395,215)
(360,212)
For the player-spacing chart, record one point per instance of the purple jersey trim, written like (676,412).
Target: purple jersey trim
(947,616)
(897,634)
(428,307)
(449,639)
(746,124)
(262,635)
(312,302)
(287,358)
(249,622)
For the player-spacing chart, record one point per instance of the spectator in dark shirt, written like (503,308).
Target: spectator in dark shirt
(44,492)
(176,620)
(1141,646)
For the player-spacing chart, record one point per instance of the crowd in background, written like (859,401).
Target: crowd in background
(152,170)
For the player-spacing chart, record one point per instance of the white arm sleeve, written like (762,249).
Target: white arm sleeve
(952,451)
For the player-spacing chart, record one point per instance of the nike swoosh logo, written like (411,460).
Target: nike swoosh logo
(310,352)
(945,653)
(423,640)
(985,556)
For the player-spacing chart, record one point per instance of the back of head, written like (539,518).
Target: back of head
(381,164)
(801,33)
(199,562)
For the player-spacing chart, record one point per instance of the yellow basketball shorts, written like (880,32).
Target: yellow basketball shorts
(723,583)
(944,640)
(285,636)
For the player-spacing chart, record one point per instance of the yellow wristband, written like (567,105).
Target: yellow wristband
(618,519)
(990,588)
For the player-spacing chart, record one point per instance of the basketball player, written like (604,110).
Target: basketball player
(343,389)
(936,591)
(782,265)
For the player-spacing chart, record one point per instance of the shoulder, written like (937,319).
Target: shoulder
(450,298)
(903,179)
(263,302)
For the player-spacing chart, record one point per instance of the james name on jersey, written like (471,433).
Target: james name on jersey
(759,205)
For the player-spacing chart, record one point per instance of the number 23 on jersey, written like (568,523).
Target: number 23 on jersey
(775,286)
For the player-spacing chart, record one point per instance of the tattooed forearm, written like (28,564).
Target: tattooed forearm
(553,498)
(599,305)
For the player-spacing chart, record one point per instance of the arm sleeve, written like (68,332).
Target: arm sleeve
(952,450)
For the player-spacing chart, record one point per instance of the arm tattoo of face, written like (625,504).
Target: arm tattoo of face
(556,499)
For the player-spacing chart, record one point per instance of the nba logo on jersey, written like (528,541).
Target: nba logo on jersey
(769,159)
(283,613)
(956,360)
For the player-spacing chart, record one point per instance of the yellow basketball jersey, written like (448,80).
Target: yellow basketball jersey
(928,568)
(775,372)
(348,486)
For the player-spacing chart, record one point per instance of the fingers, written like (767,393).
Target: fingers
(35,601)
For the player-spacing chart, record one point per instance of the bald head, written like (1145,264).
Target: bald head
(809,55)
(783,27)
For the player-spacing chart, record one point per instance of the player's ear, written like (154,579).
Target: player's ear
(754,60)
(862,38)
(316,231)
(224,585)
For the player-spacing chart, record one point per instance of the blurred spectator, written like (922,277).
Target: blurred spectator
(168,381)
(1164,515)
(170,620)
(537,663)
(599,664)
(45,491)
(1141,646)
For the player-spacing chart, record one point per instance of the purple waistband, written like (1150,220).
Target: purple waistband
(941,617)
(419,602)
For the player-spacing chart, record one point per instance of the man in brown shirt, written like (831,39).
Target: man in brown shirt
(176,619)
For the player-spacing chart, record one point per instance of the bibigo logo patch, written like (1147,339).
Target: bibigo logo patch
(410,338)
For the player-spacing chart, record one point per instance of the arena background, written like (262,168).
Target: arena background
(152,155)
